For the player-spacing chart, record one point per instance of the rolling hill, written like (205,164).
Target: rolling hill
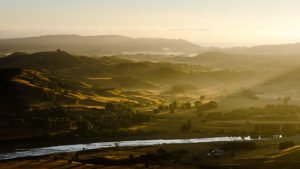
(117,72)
(54,60)
(24,88)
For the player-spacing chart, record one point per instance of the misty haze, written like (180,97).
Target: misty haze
(164,84)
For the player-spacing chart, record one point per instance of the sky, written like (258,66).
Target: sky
(222,23)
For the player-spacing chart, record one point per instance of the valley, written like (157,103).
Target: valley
(58,98)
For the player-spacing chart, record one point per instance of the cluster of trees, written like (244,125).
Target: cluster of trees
(185,105)
(116,116)
(173,106)
(285,100)
(113,117)
(200,106)
(205,106)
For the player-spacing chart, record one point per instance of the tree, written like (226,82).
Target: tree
(187,105)
(208,106)
(187,126)
(212,105)
(286,100)
(197,103)
(202,98)
(173,106)
(110,107)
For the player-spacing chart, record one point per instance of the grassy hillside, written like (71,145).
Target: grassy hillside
(39,105)
(44,89)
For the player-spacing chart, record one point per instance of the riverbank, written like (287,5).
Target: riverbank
(133,143)
(12,145)
(158,156)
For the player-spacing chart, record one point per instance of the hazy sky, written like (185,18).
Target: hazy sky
(205,22)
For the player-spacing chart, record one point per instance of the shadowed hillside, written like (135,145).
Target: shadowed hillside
(53,60)
(118,72)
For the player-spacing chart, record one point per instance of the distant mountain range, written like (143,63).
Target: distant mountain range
(280,49)
(97,45)
(223,60)
(235,60)
(116,44)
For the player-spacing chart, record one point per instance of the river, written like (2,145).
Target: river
(134,143)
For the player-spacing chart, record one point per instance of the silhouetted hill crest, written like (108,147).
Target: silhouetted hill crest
(96,45)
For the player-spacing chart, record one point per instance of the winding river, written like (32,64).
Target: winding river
(134,143)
